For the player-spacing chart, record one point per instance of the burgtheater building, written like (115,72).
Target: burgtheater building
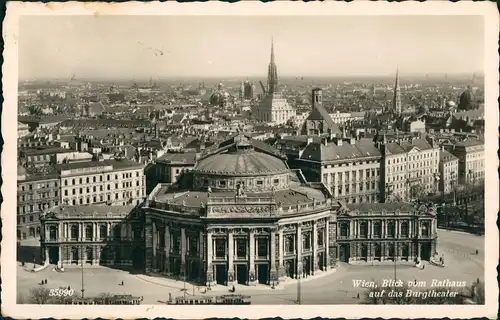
(240,216)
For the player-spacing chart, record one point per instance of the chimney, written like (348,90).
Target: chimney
(309,140)
(325,142)
(353,141)
(339,142)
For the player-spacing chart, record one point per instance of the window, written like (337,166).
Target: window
(241,248)
(363,226)
(193,246)
(117,232)
(344,229)
(53,233)
(74,232)
(65,182)
(425,229)
(89,232)
(220,248)
(404,229)
(377,229)
(262,247)
(391,228)
(289,247)
(260,182)
(65,193)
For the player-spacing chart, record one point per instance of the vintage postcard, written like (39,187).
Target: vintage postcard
(250,160)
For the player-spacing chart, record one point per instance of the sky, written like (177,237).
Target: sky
(131,47)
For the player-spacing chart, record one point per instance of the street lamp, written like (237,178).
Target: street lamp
(83,287)
(299,277)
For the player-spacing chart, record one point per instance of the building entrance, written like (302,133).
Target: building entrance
(241,273)
(321,259)
(289,269)
(53,255)
(193,270)
(364,252)
(263,273)
(345,252)
(307,265)
(221,274)
(425,251)
(406,252)
(138,258)
(378,252)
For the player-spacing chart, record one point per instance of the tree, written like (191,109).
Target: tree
(417,191)
(41,295)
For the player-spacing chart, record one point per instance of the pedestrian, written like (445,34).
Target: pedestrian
(22,263)
(122,282)
(69,288)
(477,252)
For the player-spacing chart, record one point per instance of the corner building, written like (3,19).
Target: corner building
(240,216)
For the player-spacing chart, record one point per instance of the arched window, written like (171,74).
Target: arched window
(425,229)
(103,231)
(391,229)
(89,232)
(344,229)
(74,232)
(377,229)
(53,233)
(404,229)
(363,226)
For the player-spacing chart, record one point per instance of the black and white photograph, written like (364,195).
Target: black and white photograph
(252,159)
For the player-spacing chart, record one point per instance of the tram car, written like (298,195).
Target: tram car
(227,299)
(232,299)
(110,300)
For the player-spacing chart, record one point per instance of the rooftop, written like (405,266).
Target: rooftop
(178,158)
(445,156)
(297,199)
(116,164)
(90,211)
(333,152)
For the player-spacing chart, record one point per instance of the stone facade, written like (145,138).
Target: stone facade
(97,235)
(386,232)
(246,252)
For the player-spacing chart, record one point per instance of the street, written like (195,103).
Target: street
(462,264)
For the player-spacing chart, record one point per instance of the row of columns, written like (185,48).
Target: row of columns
(64,231)
(355,227)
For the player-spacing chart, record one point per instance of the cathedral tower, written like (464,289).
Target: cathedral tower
(272,73)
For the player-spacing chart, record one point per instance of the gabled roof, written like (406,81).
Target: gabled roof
(319,113)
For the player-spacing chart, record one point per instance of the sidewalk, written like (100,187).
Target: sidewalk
(200,289)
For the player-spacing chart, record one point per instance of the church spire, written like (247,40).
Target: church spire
(272,51)
(396,102)
(272,72)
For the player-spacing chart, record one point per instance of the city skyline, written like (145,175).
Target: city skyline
(170,55)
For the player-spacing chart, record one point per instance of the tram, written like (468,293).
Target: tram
(111,300)
(228,299)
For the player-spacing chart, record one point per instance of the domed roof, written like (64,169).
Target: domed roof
(241,163)
(220,96)
(466,99)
